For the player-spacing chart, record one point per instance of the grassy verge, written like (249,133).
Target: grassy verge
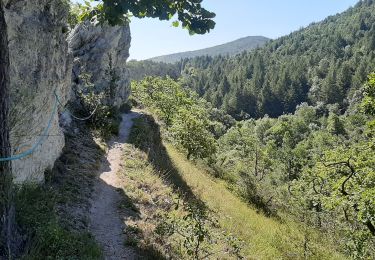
(53,216)
(155,172)
(154,204)
(147,198)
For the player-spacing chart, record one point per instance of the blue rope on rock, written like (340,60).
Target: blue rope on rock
(44,136)
(41,139)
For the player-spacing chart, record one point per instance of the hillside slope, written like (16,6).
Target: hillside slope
(154,172)
(300,167)
(230,48)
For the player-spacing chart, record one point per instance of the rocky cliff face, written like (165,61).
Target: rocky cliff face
(101,51)
(39,65)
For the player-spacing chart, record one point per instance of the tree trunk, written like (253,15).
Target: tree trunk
(7,221)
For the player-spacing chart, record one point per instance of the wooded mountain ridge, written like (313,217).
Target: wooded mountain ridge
(230,48)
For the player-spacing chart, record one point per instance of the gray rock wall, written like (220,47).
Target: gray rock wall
(39,65)
(101,51)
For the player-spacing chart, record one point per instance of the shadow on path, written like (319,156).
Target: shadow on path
(146,136)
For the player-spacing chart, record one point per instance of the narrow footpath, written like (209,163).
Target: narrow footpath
(105,221)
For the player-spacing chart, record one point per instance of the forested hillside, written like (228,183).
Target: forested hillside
(325,63)
(312,171)
(140,69)
(227,49)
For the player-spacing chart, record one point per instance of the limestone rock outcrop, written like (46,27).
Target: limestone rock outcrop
(42,58)
(101,51)
(40,65)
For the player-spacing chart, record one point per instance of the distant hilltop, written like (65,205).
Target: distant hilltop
(230,48)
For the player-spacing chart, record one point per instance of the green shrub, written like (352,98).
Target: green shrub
(194,229)
(93,107)
(126,107)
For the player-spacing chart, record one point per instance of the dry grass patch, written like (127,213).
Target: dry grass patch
(146,199)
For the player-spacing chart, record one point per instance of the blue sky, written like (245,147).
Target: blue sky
(234,19)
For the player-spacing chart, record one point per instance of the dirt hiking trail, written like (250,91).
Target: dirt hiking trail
(105,221)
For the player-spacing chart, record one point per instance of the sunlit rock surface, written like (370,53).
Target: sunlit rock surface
(39,65)
(100,52)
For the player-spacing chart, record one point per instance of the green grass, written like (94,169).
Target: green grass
(149,200)
(47,238)
(264,237)
(53,217)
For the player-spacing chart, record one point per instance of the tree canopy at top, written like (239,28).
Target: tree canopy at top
(190,13)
